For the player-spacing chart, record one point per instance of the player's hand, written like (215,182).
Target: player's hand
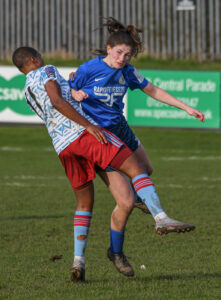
(97,132)
(78,95)
(196,113)
(71,75)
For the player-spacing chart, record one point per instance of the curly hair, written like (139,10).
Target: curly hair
(120,34)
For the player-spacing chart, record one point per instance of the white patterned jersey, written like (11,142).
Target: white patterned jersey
(62,130)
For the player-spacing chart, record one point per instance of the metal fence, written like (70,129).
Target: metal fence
(67,27)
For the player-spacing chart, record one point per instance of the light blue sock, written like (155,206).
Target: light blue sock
(116,241)
(81,229)
(146,191)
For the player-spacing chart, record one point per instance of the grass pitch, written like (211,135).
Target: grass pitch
(36,222)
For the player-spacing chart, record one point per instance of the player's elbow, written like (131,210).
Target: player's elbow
(150,89)
(56,102)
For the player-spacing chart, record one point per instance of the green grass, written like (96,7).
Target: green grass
(36,216)
(142,62)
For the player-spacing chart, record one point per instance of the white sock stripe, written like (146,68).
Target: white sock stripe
(85,221)
(143,182)
(143,186)
(82,221)
(142,179)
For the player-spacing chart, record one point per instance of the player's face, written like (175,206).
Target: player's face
(33,63)
(118,56)
(38,60)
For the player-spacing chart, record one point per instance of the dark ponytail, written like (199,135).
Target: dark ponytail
(120,34)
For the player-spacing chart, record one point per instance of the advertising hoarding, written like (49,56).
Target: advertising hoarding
(201,90)
(13,107)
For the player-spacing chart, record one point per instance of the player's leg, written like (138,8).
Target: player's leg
(142,156)
(82,219)
(164,224)
(146,191)
(80,172)
(120,188)
(125,133)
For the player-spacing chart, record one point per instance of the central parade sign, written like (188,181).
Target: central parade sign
(200,90)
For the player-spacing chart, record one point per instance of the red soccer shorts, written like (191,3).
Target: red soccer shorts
(82,154)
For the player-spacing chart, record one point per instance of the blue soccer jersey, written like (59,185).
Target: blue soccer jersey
(106,88)
(62,130)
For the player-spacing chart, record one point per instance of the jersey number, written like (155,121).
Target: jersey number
(109,98)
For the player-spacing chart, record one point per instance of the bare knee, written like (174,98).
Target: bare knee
(126,205)
(142,156)
(85,197)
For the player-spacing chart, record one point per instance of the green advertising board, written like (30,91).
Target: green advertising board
(13,106)
(201,90)
(12,95)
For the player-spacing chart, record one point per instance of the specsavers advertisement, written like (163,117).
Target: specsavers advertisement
(13,107)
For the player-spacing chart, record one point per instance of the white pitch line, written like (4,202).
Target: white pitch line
(184,151)
(161,186)
(20,149)
(210,179)
(22,184)
(180,186)
(15,149)
(198,179)
(31,177)
(191,158)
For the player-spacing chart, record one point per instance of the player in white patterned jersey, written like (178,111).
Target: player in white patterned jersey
(79,143)
(62,130)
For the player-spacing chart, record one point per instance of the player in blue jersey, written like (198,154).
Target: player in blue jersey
(80,145)
(101,85)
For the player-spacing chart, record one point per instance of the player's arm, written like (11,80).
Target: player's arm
(54,93)
(162,96)
(78,95)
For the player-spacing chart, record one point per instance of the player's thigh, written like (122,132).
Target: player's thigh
(142,156)
(119,186)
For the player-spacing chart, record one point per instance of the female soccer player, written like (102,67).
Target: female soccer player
(101,85)
(80,145)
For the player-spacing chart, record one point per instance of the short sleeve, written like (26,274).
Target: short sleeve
(135,80)
(49,73)
(78,80)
